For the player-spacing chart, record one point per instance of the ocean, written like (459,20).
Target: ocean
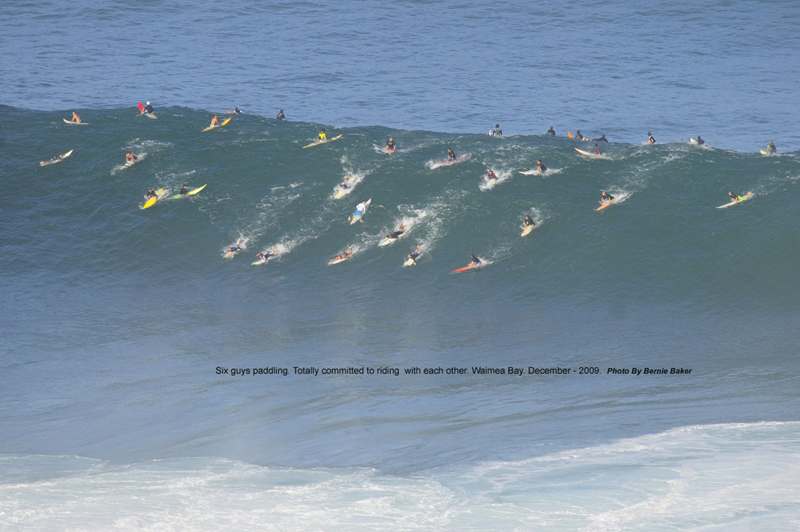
(632,368)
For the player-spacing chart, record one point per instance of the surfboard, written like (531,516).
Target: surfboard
(604,205)
(128,164)
(74,123)
(590,154)
(152,201)
(387,241)
(189,193)
(356,217)
(45,163)
(569,134)
(527,230)
(317,143)
(337,260)
(763,152)
(744,198)
(462,158)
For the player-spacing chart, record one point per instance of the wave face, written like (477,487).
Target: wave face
(115,318)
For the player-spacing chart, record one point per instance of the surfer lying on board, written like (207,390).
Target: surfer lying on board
(147,109)
(344,185)
(75,118)
(734,197)
(390,144)
(280,115)
(541,168)
(130,158)
(491,175)
(651,140)
(770,148)
(475,260)
(597,149)
(601,139)
(529,221)
(56,158)
(150,194)
(414,254)
(451,156)
(606,196)
(397,233)
(551,131)
(346,254)
(214,122)
(322,135)
(265,256)
(236,247)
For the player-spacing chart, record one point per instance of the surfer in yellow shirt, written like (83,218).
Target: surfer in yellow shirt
(75,118)
(322,136)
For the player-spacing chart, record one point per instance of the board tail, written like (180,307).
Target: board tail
(569,134)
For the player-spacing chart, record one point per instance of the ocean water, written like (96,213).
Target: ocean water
(123,331)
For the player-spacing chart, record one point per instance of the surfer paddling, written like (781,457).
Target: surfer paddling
(266,256)
(346,254)
(601,139)
(491,176)
(606,197)
(475,261)
(529,221)
(396,234)
(130,159)
(54,159)
(415,254)
(735,197)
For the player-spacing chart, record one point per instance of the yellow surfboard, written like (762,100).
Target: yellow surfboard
(604,205)
(152,201)
(528,229)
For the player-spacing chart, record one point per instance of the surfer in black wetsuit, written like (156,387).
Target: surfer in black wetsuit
(475,260)
(280,115)
(496,132)
(183,190)
(771,148)
(390,144)
(148,109)
(551,131)
(650,139)
(397,233)
(542,168)
(529,221)
(597,149)
(451,156)
(491,175)
(266,256)
(578,135)
(699,141)
(607,197)
(601,139)
(346,254)
(150,194)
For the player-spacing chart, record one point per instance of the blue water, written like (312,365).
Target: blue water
(114,319)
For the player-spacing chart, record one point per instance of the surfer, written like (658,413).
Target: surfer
(236,247)
(491,176)
(266,256)
(322,136)
(183,190)
(150,194)
(215,122)
(280,115)
(75,118)
(130,158)
(579,136)
(601,139)
(345,254)
(541,168)
(236,111)
(475,260)
(605,196)
(771,148)
(699,141)
(360,208)
(147,109)
(735,197)
(54,159)
(597,149)
(529,221)
(651,140)
(390,144)
(396,234)
(451,156)
(414,254)
(344,185)
(551,131)
(496,132)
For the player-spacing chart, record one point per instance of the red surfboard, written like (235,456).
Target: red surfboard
(141,108)
(463,269)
